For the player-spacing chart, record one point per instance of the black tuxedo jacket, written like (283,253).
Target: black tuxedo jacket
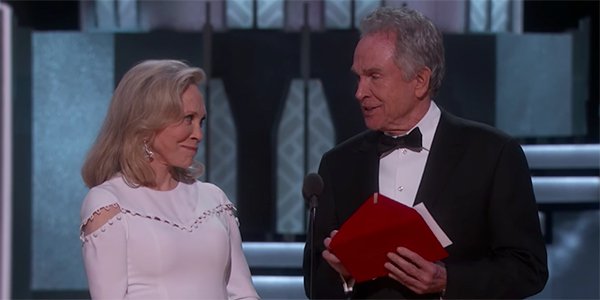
(476,185)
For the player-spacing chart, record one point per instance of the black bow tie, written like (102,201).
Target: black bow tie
(410,141)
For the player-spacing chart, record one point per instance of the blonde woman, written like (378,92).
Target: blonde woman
(149,229)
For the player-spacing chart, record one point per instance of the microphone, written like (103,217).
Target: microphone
(311,191)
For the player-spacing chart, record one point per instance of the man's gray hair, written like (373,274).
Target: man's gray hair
(418,42)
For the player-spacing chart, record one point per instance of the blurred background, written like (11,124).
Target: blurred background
(279,94)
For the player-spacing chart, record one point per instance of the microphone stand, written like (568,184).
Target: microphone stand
(311,233)
(311,191)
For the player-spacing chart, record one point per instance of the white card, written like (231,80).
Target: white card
(435,228)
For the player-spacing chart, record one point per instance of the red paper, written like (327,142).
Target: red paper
(379,227)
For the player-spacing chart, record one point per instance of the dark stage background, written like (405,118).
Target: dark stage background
(258,72)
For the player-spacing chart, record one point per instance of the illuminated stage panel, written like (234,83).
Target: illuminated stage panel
(72,83)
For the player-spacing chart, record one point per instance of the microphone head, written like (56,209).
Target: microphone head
(313,186)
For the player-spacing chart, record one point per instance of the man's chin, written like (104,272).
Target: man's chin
(372,126)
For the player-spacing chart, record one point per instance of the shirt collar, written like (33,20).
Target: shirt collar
(428,124)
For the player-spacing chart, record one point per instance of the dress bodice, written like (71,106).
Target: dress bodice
(177,244)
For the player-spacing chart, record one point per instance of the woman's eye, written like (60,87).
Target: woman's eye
(188,119)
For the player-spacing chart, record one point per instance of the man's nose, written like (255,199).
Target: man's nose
(361,90)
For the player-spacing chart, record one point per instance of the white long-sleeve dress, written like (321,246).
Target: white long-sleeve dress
(177,244)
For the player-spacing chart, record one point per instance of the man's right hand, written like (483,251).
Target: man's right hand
(332,260)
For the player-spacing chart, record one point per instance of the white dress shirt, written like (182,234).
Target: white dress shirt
(401,170)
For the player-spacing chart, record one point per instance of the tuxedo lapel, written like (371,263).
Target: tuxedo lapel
(361,169)
(446,151)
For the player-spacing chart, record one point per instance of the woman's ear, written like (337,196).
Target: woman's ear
(422,82)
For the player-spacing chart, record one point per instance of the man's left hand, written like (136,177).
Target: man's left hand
(415,272)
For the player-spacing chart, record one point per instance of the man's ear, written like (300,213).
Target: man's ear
(422,82)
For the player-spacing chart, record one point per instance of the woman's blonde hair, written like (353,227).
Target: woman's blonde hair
(146,100)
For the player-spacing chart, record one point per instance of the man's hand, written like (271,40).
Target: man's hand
(332,260)
(415,272)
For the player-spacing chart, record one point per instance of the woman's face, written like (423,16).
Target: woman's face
(177,144)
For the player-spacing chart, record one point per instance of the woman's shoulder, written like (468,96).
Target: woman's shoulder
(209,192)
(109,189)
(102,196)
(206,187)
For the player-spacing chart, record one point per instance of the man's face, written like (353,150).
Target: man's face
(388,102)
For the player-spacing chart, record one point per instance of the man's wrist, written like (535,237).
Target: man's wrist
(348,283)
(442,273)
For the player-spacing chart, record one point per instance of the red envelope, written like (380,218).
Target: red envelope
(379,226)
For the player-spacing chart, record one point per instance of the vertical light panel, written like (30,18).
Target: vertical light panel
(240,13)
(72,84)
(362,8)
(269,14)
(507,16)
(127,14)
(478,15)
(222,143)
(338,14)
(500,15)
(105,13)
(6,145)
(321,134)
(290,162)
(295,158)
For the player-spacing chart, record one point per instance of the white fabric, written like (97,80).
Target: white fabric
(178,244)
(401,170)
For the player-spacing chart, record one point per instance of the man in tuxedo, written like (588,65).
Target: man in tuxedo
(472,178)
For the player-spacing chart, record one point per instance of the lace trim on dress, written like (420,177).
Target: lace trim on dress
(91,218)
(217,211)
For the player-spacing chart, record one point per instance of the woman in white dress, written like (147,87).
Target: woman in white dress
(149,229)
